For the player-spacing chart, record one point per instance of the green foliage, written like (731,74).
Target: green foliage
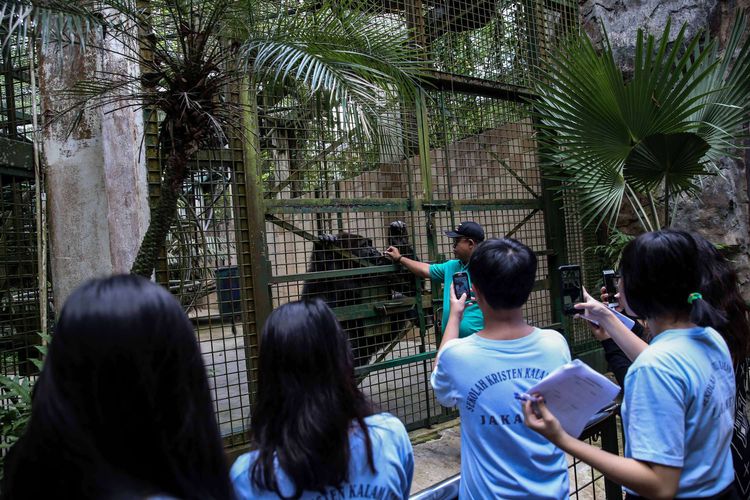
(192,54)
(651,136)
(15,407)
(609,254)
(15,401)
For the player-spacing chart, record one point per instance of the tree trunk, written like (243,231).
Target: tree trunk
(165,210)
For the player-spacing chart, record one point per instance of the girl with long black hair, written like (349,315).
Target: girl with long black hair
(678,410)
(314,432)
(122,408)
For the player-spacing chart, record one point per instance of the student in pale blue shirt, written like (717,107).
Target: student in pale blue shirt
(500,456)
(678,413)
(314,432)
(689,365)
(392,458)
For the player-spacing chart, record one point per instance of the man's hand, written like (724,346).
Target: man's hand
(393,254)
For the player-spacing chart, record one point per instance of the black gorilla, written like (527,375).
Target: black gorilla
(352,251)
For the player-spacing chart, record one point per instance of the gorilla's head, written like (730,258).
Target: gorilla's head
(361,247)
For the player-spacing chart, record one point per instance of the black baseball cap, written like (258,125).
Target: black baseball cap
(467,229)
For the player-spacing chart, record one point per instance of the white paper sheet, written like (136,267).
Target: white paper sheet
(574,393)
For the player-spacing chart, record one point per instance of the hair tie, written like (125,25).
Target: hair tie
(693,297)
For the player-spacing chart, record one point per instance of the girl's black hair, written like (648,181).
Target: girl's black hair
(122,407)
(660,271)
(307,400)
(721,289)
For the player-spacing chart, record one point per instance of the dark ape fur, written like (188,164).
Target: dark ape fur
(352,251)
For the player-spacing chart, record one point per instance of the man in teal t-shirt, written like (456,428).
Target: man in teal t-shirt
(466,237)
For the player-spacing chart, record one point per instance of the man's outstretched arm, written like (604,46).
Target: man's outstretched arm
(421,269)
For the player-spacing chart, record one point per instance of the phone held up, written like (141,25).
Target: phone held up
(461,284)
(571,288)
(610,286)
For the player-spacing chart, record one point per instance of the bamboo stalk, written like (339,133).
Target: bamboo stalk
(40,195)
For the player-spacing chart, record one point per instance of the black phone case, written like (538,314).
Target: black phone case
(610,286)
(461,285)
(571,288)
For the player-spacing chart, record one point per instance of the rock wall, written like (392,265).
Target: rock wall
(720,211)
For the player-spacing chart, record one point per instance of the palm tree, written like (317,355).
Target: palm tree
(646,139)
(191,51)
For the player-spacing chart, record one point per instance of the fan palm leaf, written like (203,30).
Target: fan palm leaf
(610,139)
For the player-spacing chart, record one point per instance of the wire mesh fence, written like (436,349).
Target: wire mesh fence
(16,98)
(22,303)
(19,290)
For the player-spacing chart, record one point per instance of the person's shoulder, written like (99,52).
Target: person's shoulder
(552,336)
(716,337)
(387,426)
(553,343)
(457,345)
(445,266)
(656,357)
(384,420)
(242,464)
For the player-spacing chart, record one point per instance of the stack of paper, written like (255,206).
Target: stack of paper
(574,393)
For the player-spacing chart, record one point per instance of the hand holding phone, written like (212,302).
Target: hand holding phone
(611,286)
(571,288)
(461,285)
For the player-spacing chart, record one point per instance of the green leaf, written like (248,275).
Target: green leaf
(684,106)
(672,158)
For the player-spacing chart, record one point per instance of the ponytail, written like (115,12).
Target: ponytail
(703,313)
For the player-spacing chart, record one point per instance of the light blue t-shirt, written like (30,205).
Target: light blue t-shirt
(391,452)
(472,320)
(500,456)
(679,408)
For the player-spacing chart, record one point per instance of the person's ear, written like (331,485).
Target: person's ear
(476,292)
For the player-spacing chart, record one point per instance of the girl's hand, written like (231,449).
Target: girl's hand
(458,305)
(598,332)
(594,310)
(538,418)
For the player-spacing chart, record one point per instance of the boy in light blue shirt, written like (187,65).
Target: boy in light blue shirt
(500,456)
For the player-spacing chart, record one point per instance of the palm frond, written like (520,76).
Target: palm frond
(337,49)
(61,21)
(683,106)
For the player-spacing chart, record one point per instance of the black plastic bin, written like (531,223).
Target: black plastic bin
(228,290)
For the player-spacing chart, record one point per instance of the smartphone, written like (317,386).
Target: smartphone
(610,285)
(571,288)
(461,284)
